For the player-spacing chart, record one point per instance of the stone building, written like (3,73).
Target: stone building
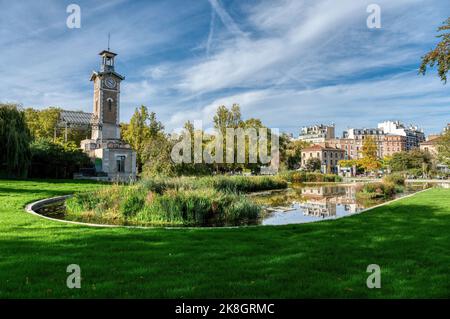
(329,157)
(359,135)
(351,147)
(393,144)
(114,159)
(317,133)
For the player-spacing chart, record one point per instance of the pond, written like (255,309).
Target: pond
(295,205)
(309,203)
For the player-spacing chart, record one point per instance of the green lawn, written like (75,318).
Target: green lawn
(409,239)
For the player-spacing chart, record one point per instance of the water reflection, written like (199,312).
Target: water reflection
(302,204)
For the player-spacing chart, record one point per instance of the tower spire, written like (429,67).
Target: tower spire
(109,39)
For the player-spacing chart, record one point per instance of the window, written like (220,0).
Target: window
(110,100)
(120,161)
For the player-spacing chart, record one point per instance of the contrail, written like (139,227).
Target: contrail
(226,18)
(211,31)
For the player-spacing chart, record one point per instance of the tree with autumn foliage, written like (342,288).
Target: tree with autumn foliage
(369,161)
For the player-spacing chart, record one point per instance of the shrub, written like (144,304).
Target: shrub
(377,190)
(53,160)
(303,177)
(156,185)
(395,178)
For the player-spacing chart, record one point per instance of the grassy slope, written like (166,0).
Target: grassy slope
(409,239)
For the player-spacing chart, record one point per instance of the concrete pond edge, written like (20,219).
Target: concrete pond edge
(30,208)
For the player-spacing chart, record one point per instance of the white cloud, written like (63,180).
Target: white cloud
(358,105)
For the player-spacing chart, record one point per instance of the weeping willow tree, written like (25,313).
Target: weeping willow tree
(15,139)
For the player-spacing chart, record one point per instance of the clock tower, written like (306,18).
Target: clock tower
(106,106)
(114,159)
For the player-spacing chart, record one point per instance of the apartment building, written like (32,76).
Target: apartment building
(393,144)
(350,146)
(414,135)
(357,137)
(317,133)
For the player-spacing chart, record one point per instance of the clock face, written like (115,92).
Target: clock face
(110,82)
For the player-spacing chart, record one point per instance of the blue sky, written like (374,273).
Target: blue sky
(289,62)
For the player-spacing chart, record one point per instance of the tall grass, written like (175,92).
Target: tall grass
(390,185)
(305,177)
(198,201)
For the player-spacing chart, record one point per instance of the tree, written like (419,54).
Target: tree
(42,123)
(157,152)
(414,159)
(15,138)
(348,163)
(369,161)
(223,119)
(56,160)
(143,127)
(440,55)
(313,164)
(292,152)
(386,161)
(444,148)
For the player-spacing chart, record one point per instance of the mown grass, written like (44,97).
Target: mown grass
(409,239)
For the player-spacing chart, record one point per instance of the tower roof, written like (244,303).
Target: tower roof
(97,73)
(107,53)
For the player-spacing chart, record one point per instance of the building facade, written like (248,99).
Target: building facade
(414,135)
(351,147)
(357,137)
(113,157)
(317,133)
(329,157)
(393,144)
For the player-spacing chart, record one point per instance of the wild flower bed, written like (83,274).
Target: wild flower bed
(185,201)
